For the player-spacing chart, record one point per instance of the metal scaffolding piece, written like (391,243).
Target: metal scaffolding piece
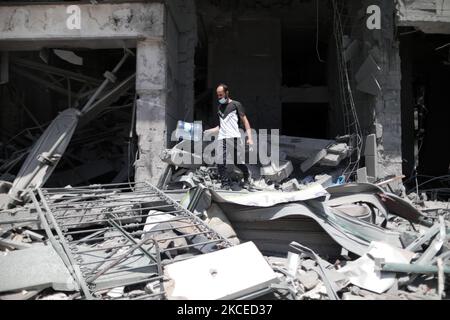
(119,235)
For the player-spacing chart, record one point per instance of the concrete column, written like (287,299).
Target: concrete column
(388,106)
(380,113)
(151,87)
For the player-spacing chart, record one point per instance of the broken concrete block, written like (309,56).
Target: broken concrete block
(340,148)
(13,244)
(225,274)
(277,173)
(331,160)
(292,263)
(312,160)
(291,185)
(38,267)
(309,279)
(308,264)
(219,222)
(181,158)
(361,175)
(378,130)
(372,166)
(370,148)
(324,179)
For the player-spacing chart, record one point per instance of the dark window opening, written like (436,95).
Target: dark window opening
(100,150)
(425,111)
(309,120)
(300,60)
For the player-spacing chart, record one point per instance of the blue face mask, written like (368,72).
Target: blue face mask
(223,100)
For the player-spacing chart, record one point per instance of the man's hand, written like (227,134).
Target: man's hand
(211,131)
(250,141)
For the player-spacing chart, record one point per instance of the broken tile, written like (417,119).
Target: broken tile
(225,274)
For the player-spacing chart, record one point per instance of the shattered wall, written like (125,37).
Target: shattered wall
(101,25)
(379,109)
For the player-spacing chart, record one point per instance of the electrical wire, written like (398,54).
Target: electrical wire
(351,121)
(317,32)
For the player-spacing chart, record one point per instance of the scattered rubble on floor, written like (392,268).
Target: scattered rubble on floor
(302,161)
(134,241)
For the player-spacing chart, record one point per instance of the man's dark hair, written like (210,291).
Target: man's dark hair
(224,86)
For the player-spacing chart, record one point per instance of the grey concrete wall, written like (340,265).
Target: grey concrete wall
(380,113)
(184,16)
(102,25)
(247,57)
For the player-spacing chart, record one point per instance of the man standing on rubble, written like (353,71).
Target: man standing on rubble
(229,139)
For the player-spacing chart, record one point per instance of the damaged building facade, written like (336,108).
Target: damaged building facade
(91,93)
(280,57)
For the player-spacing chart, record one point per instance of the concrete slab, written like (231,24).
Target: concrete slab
(316,157)
(324,179)
(226,274)
(372,166)
(339,148)
(38,267)
(370,148)
(277,173)
(332,160)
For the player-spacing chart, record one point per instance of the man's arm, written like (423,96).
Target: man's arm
(248,129)
(212,130)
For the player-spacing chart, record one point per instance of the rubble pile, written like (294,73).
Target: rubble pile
(299,233)
(357,242)
(302,161)
(130,241)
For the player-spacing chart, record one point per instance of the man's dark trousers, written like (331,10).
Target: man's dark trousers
(229,146)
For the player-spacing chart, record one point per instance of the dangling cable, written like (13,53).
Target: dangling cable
(317,32)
